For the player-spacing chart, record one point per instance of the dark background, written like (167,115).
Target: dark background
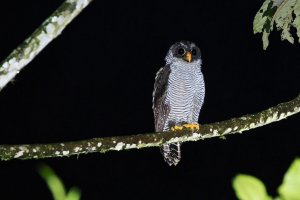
(96,80)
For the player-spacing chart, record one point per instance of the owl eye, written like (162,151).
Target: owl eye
(194,52)
(181,51)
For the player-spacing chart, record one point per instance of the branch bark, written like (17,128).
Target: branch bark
(39,39)
(102,145)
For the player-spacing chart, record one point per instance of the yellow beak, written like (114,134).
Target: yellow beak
(188,56)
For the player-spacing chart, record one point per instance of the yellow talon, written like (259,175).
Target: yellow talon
(192,126)
(176,128)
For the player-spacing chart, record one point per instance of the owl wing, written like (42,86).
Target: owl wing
(160,108)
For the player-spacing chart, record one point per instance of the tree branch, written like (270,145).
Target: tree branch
(102,145)
(39,39)
(49,30)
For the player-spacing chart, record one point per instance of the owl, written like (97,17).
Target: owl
(178,94)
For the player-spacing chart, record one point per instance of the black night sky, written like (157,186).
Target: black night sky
(96,80)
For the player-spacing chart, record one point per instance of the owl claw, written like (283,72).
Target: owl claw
(176,128)
(193,127)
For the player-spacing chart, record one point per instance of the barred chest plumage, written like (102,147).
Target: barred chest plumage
(185,93)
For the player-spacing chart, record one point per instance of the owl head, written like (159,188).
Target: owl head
(185,51)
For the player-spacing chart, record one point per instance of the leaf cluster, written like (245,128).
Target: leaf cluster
(251,188)
(283,14)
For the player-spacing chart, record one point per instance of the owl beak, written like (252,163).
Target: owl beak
(188,56)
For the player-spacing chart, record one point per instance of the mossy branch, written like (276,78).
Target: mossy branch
(102,145)
(39,39)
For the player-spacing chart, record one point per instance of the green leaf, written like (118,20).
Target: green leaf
(290,188)
(249,188)
(73,194)
(260,18)
(265,40)
(283,19)
(296,22)
(263,21)
(53,181)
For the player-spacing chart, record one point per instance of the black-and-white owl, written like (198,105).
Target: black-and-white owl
(178,94)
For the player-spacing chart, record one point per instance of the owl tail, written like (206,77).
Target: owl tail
(171,153)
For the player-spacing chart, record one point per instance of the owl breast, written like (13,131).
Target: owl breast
(185,94)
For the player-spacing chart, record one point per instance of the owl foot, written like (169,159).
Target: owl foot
(193,127)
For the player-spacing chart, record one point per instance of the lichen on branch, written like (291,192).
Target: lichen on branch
(41,37)
(102,145)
